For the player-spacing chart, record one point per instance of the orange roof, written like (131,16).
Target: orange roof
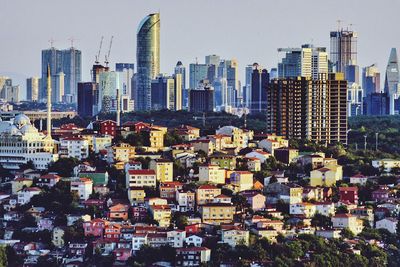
(207,186)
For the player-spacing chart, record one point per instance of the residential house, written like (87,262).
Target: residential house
(254,199)
(349,221)
(74,147)
(19,183)
(98,177)
(204,145)
(168,190)
(217,213)
(186,200)
(382,194)
(211,174)
(136,195)
(359,179)
(48,180)
(112,232)
(286,155)
(163,168)
(349,194)
(94,227)
(241,180)
(194,240)
(259,154)
(176,238)
(83,187)
(326,176)
(140,178)
(187,133)
(25,195)
(386,164)
(106,127)
(234,237)
(118,212)
(206,194)
(192,256)
(253,164)
(161,214)
(388,223)
(290,193)
(224,161)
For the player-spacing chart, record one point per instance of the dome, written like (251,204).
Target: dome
(28,129)
(21,120)
(13,130)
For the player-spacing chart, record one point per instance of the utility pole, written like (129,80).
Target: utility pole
(204,119)
(365,142)
(376,141)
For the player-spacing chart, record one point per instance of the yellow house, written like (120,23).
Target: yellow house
(156,137)
(326,176)
(211,174)
(19,183)
(123,152)
(161,214)
(136,195)
(241,180)
(235,237)
(217,213)
(206,194)
(164,169)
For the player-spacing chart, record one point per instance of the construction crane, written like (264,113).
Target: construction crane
(107,56)
(98,53)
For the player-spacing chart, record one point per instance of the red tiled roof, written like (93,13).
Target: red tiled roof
(207,186)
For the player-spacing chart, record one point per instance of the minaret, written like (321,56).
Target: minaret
(48,102)
(118,109)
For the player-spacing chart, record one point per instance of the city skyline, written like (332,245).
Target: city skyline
(239,38)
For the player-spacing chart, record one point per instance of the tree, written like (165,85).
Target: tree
(346,233)
(180,220)
(320,220)
(3,256)
(63,166)
(342,209)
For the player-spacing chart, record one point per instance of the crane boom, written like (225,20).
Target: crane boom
(109,51)
(98,53)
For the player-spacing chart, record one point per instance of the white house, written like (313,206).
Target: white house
(74,147)
(388,223)
(235,237)
(138,240)
(25,195)
(176,238)
(141,178)
(386,164)
(194,240)
(83,187)
(358,179)
(325,208)
(101,142)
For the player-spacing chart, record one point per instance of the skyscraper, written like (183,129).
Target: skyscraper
(302,108)
(343,49)
(197,73)
(162,92)
(148,59)
(109,82)
(259,85)
(86,99)
(307,61)
(392,74)
(126,71)
(180,69)
(247,86)
(67,62)
(371,80)
(32,89)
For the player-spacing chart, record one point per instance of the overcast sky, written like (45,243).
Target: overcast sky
(248,30)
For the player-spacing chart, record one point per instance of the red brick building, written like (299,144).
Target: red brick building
(107,127)
(349,194)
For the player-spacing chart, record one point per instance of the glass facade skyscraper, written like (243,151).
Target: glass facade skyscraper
(343,49)
(67,62)
(392,74)
(148,59)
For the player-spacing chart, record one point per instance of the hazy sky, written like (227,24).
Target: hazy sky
(248,30)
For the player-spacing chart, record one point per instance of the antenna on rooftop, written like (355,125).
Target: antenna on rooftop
(339,24)
(51,41)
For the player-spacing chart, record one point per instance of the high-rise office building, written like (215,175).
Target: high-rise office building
(32,89)
(86,99)
(377,104)
(307,61)
(148,59)
(69,63)
(259,85)
(352,74)
(166,92)
(109,82)
(8,91)
(247,86)
(303,108)
(392,74)
(197,73)
(371,80)
(201,99)
(126,71)
(343,49)
(180,69)
(354,99)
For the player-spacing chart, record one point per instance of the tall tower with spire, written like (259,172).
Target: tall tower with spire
(48,102)
(392,77)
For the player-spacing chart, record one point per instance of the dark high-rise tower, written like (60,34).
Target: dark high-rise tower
(148,59)
(259,85)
